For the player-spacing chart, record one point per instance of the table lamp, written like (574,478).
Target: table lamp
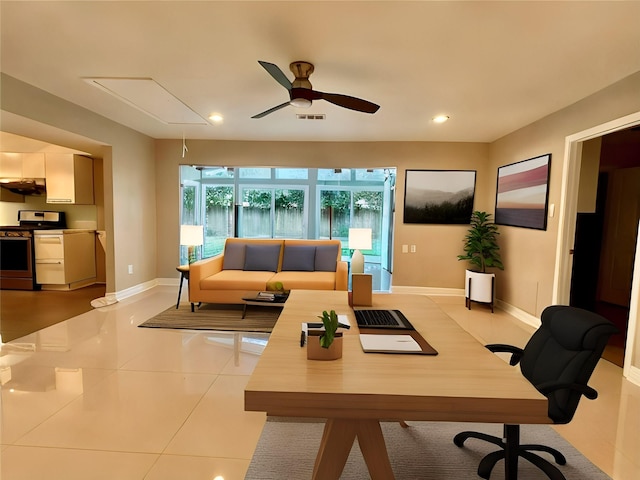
(191,236)
(359,239)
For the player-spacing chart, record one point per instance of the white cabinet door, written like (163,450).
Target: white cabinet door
(49,247)
(69,178)
(10,165)
(33,165)
(50,272)
(60,181)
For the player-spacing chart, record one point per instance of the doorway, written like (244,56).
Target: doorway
(581,279)
(606,234)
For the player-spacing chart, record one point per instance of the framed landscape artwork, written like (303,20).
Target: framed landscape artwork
(439,196)
(522,193)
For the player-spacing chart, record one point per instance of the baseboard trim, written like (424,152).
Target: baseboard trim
(131,291)
(634,375)
(521,315)
(455,292)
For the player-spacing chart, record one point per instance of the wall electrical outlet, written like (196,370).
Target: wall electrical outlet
(130,269)
(413,249)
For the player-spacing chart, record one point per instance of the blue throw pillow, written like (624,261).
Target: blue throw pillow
(326,258)
(300,258)
(261,258)
(233,256)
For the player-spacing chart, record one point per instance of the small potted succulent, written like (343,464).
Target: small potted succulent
(325,344)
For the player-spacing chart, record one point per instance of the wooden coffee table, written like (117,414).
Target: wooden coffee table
(256,300)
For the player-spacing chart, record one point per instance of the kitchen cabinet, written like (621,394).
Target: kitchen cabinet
(21,165)
(69,178)
(10,165)
(65,259)
(33,165)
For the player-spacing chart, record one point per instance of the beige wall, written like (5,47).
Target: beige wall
(128,209)
(433,265)
(529,255)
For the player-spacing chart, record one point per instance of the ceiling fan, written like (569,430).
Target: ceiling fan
(302,95)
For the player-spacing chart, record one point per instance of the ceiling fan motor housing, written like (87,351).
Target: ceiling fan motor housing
(301,93)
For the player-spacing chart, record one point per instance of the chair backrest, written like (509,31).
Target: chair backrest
(565,349)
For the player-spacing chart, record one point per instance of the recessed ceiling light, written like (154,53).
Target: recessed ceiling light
(440,118)
(216,118)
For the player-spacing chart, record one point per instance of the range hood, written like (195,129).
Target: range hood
(24,186)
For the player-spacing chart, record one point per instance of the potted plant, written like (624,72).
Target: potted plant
(325,344)
(482,251)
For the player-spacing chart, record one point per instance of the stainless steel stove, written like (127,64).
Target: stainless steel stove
(17,251)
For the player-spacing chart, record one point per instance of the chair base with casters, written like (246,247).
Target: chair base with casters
(511,450)
(558,360)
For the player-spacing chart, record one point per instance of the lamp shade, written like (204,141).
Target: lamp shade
(360,239)
(191,235)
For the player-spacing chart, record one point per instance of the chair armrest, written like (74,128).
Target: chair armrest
(502,348)
(550,387)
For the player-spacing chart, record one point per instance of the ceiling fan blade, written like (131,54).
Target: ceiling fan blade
(276,73)
(271,110)
(351,103)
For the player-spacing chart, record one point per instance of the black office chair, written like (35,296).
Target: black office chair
(558,360)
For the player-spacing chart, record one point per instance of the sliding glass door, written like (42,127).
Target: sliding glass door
(277,212)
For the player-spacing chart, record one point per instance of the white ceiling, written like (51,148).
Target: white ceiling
(492,66)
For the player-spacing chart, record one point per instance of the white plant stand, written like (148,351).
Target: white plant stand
(479,287)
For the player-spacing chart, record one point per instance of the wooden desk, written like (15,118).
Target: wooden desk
(464,383)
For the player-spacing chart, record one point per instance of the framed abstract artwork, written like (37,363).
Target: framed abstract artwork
(439,196)
(522,193)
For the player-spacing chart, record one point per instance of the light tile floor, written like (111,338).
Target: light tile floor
(96,397)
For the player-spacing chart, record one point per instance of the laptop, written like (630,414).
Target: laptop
(386,319)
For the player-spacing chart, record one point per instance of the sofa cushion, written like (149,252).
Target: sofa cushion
(263,258)
(233,256)
(300,258)
(306,280)
(326,258)
(236,280)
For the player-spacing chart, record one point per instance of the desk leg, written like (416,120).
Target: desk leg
(336,444)
(374,449)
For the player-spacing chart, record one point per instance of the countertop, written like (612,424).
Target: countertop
(63,231)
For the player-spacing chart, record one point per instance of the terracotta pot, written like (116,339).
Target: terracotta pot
(316,352)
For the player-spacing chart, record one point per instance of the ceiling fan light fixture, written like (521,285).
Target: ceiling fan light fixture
(440,118)
(300,102)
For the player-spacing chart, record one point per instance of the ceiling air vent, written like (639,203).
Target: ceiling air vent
(310,116)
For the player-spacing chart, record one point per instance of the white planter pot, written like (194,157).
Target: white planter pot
(479,287)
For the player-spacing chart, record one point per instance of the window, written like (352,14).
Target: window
(289,203)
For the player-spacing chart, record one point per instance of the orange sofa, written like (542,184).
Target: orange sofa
(247,265)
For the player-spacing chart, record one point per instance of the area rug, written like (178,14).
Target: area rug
(216,317)
(424,451)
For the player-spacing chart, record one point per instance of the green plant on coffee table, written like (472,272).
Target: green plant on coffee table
(276,287)
(330,322)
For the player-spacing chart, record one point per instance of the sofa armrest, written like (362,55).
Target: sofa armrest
(342,276)
(202,269)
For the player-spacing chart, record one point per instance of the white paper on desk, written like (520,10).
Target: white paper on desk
(388,343)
